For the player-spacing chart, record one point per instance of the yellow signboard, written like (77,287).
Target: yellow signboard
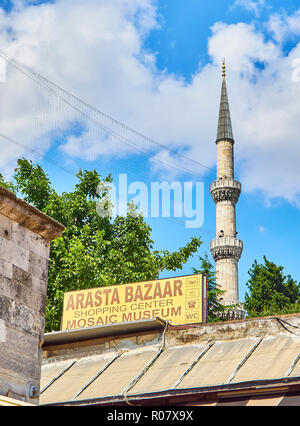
(180,300)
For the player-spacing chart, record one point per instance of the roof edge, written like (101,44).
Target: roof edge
(250,388)
(29,216)
(108,330)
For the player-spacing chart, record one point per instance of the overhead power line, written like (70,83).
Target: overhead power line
(107,124)
(65,169)
(135,140)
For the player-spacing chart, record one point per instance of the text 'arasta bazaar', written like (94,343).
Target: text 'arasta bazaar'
(177,300)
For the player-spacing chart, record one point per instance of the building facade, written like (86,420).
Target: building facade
(25,236)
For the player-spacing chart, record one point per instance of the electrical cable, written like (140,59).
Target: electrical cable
(55,89)
(52,162)
(63,96)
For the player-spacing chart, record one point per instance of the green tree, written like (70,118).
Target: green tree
(215,309)
(270,291)
(7,185)
(93,251)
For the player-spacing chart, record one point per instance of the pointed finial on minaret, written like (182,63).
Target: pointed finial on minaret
(224,69)
(224,125)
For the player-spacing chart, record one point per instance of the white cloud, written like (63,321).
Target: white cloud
(283,26)
(265,107)
(94,48)
(242,45)
(254,6)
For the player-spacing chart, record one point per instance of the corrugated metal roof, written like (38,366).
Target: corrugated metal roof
(52,372)
(272,359)
(218,364)
(114,380)
(142,371)
(74,378)
(168,368)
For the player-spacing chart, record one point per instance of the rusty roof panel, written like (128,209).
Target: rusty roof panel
(167,369)
(218,364)
(114,380)
(272,359)
(75,378)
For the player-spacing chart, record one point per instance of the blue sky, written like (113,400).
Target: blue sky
(156,67)
(266,230)
(181,42)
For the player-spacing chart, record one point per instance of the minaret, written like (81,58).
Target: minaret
(226,249)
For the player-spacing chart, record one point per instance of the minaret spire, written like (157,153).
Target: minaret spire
(224,125)
(226,249)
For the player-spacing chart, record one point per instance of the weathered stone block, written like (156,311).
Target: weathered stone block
(19,345)
(2,331)
(5,228)
(29,240)
(38,266)
(20,257)
(6,288)
(24,318)
(29,297)
(6,250)
(6,269)
(40,286)
(6,308)
(21,277)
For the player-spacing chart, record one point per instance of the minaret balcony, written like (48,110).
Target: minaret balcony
(224,189)
(226,248)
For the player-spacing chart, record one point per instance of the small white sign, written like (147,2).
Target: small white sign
(2,331)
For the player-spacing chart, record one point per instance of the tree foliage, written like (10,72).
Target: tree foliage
(93,251)
(215,309)
(270,291)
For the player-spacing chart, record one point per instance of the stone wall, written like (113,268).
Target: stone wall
(234,330)
(25,235)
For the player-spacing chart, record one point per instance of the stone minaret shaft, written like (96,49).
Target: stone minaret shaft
(226,249)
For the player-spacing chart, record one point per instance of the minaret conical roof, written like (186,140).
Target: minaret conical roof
(224,125)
